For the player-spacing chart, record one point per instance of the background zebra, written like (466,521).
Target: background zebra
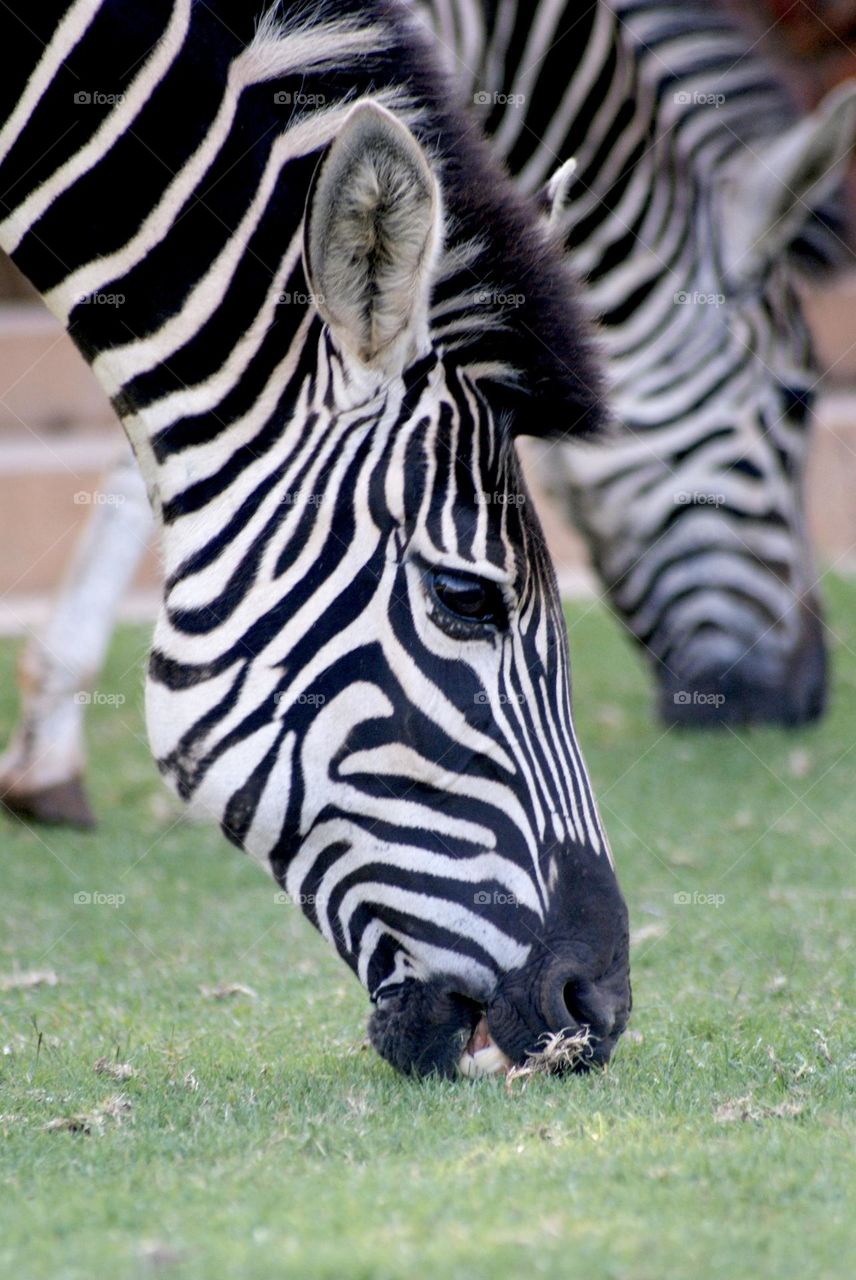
(360,665)
(696,196)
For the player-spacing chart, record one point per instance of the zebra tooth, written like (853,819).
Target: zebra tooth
(487,1062)
(482,1057)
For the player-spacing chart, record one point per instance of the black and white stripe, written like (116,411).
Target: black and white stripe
(360,666)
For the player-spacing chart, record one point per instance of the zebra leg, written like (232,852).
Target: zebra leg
(41,771)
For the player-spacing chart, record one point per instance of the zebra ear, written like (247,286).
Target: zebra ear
(771,193)
(372,229)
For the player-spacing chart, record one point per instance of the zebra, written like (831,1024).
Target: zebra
(689,195)
(693,510)
(284,255)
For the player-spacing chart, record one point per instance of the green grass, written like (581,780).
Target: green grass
(263,1139)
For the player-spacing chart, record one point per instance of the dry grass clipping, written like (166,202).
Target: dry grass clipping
(559,1051)
(118,1070)
(746,1110)
(226,990)
(113,1108)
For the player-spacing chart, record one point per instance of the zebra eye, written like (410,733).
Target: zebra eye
(466,599)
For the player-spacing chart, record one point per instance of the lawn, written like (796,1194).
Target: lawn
(255,1135)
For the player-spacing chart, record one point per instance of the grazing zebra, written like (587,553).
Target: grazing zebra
(695,194)
(272,238)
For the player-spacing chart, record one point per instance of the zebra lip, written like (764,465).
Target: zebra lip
(481,1057)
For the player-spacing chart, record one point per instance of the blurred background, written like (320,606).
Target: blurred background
(58,433)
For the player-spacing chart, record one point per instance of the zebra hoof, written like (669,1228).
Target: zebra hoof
(63,804)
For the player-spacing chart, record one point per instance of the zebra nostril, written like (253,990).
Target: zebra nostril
(572,1003)
(569,1000)
(559,1004)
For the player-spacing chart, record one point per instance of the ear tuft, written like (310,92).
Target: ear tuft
(554,196)
(372,232)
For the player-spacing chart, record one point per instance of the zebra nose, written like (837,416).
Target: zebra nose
(522,1016)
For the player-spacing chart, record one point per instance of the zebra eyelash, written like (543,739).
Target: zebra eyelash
(492,613)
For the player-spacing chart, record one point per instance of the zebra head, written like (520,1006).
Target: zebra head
(388,725)
(695,513)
